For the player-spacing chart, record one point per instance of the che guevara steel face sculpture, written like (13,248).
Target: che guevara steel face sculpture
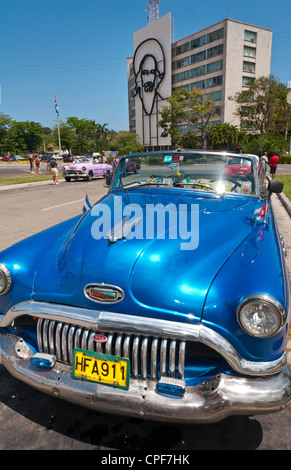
(149,72)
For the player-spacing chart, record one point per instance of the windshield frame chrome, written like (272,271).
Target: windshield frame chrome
(252,158)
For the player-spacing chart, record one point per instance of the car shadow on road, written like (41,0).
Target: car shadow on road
(33,414)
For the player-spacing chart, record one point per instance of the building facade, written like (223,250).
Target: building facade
(220,60)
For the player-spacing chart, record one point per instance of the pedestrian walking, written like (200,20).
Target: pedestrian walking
(48,164)
(264,158)
(37,164)
(30,158)
(273,165)
(54,170)
(264,162)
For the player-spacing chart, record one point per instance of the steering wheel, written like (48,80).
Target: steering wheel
(232,180)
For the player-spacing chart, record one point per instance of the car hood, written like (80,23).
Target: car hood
(78,165)
(155,274)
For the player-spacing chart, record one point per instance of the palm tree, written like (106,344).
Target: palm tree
(102,131)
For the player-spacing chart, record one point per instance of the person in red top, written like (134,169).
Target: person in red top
(273,165)
(37,164)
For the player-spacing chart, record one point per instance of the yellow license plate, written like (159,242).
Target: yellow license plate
(102,368)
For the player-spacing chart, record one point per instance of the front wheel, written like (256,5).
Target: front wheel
(68,179)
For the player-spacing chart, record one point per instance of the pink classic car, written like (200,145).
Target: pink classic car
(86,170)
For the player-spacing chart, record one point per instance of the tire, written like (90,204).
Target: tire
(68,179)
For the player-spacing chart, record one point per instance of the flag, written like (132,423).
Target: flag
(56,106)
(173,165)
(87,206)
(259,214)
(156,179)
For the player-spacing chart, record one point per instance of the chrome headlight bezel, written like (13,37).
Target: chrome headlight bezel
(275,315)
(4,271)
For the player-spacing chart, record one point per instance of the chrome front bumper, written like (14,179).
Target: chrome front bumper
(208,402)
(262,388)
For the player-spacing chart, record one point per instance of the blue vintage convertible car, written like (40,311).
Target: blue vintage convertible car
(168,299)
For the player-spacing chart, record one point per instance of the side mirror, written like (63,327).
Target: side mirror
(275,186)
(108,180)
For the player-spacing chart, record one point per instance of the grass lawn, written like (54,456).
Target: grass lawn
(30,178)
(286,179)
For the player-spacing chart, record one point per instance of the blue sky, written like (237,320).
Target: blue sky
(78,49)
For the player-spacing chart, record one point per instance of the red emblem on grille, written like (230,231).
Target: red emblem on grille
(100,338)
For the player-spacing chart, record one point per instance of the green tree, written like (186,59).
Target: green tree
(224,136)
(83,130)
(99,133)
(5,124)
(263,108)
(102,131)
(187,108)
(25,137)
(257,144)
(126,142)
(67,136)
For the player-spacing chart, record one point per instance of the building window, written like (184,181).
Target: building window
(200,84)
(215,96)
(214,51)
(184,87)
(246,81)
(218,34)
(214,66)
(183,48)
(249,67)
(214,81)
(183,62)
(250,51)
(250,36)
(198,42)
(198,57)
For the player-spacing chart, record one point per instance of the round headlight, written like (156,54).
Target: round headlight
(261,315)
(5,279)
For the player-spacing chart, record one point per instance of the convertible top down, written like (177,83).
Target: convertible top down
(168,299)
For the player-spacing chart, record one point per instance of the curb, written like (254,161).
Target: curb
(27,185)
(286,203)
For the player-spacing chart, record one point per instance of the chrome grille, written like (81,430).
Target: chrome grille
(73,172)
(150,357)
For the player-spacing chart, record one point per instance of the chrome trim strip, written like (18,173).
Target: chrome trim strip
(154,358)
(107,321)
(7,273)
(181,363)
(144,351)
(172,358)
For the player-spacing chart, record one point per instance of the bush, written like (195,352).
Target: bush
(285,159)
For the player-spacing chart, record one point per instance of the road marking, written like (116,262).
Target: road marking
(60,205)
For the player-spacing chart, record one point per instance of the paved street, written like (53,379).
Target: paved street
(32,420)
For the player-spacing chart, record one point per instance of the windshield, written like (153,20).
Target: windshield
(218,173)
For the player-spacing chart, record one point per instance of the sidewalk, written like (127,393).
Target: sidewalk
(282,210)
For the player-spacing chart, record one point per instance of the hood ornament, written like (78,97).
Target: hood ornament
(122,229)
(103,293)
